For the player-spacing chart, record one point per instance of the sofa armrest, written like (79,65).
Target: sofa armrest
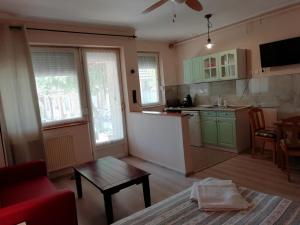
(22,172)
(54,209)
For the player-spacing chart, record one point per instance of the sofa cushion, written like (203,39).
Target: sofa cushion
(23,191)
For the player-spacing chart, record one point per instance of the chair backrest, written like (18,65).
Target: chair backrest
(257,120)
(291,132)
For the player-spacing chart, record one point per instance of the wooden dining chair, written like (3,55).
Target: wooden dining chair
(290,142)
(259,132)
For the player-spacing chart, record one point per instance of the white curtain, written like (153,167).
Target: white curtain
(2,155)
(104,87)
(18,96)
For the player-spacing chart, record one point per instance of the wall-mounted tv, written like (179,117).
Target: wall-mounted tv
(280,53)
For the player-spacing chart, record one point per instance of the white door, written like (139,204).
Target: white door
(102,70)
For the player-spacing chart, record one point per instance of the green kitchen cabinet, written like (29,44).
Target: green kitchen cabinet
(219,128)
(192,70)
(209,130)
(226,65)
(197,70)
(210,67)
(226,132)
(187,71)
(232,64)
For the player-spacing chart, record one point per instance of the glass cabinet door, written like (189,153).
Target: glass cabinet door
(210,67)
(228,65)
(207,68)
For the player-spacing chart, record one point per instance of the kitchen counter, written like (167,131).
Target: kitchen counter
(163,113)
(231,108)
(161,138)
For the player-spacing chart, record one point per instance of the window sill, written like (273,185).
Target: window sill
(63,125)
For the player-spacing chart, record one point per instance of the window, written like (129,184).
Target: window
(149,78)
(57,84)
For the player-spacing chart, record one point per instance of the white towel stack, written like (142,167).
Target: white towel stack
(218,195)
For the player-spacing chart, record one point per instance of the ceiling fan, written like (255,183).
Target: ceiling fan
(193,4)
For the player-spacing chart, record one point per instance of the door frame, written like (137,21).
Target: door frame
(99,147)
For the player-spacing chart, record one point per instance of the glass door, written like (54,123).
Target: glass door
(104,91)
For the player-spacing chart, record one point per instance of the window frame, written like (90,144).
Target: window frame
(78,68)
(160,96)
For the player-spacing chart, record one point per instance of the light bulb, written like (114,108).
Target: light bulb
(209,45)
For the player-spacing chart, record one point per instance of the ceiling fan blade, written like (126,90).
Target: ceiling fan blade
(194,4)
(155,6)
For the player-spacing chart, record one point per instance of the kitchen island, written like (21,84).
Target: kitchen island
(161,138)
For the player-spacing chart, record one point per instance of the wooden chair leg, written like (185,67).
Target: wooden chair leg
(263,147)
(274,153)
(253,148)
(287,167)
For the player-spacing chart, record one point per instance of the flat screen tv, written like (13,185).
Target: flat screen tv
(280,53)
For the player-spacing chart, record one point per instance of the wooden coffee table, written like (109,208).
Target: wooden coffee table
(111,175)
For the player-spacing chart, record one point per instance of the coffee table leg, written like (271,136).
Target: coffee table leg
(146,191)
(78,184)
(108,208)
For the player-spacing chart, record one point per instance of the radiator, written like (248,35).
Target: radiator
(60,152)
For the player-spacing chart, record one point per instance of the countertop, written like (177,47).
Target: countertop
(231,108)
(177,114)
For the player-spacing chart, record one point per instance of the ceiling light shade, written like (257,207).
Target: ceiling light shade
(209,44)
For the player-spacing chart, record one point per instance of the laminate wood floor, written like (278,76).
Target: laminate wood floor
(257,174)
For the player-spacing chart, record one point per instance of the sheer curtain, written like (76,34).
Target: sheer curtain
(18,97)
(105,95)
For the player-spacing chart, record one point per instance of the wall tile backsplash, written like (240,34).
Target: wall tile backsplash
(281,92)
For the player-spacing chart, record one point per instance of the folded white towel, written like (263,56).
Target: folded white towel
(218,195)
(209,180)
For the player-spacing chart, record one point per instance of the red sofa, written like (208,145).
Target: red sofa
(27,195)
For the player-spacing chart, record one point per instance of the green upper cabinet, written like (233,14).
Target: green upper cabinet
(192,70)
(197,69)
(211,67)
(227,65)
(232,64)
(187,71)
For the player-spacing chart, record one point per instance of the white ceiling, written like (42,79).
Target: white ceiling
(156,25)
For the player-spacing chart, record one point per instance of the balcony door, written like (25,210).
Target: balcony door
(104,90)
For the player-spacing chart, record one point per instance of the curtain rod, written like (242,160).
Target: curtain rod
(77,32)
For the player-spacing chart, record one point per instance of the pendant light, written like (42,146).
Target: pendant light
(209,44)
